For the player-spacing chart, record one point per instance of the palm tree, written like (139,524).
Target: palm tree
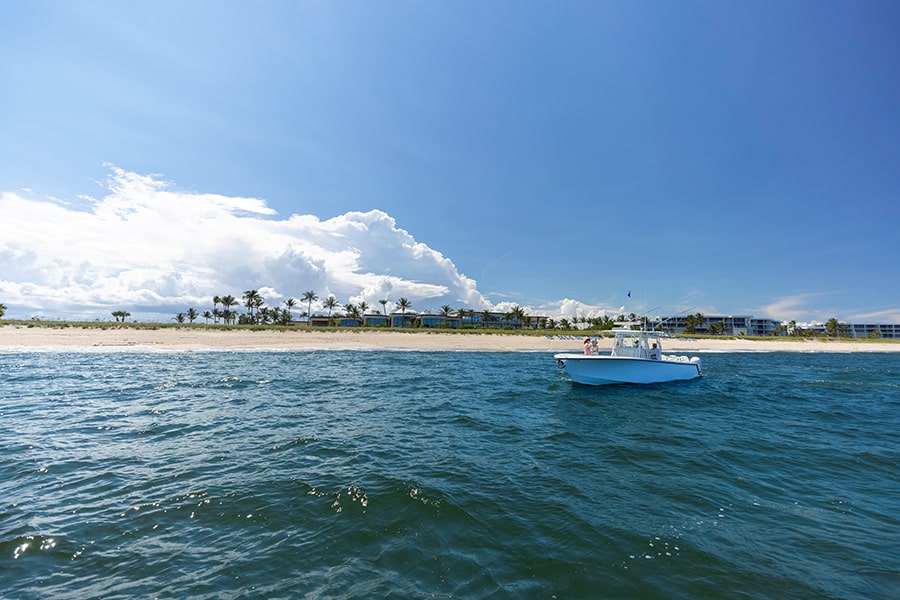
(834,328)
(252,300)
(363,307)
(207,316)
(267,315)
(216,301)
(403,304)
(352,311)
(330,303)
(692,322)
(445,312)
(2,310)
(383,304)
(227,302)
(309,297)
(518,314)
(191,315)
(180,317)
(716,328)
(290,303)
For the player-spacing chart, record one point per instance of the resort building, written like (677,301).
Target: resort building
(728,325)
(862,330)
(724,324)
(868,330)
(733,325)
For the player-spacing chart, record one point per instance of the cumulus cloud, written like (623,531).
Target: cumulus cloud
(575,309)
(146,247)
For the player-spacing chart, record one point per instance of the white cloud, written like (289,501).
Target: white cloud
(575,309)
(891,315)
(790,308)
(806,307)
(153,250)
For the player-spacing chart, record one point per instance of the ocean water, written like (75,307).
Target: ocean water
(377,474)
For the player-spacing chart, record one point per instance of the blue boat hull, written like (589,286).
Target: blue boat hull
(610,370)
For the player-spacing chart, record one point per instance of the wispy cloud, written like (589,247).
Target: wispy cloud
(788,308)
(891,315)
(808,307)
(147,247)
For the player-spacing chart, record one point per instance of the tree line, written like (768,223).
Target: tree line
(225,311)
(259,314)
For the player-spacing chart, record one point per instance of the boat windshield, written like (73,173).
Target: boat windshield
(628,345)
(634,345)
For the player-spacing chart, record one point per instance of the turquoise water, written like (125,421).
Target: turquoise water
(339,474)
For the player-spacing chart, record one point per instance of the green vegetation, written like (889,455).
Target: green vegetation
(693,322)
(258,316)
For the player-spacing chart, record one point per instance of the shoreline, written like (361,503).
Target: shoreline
(24,337)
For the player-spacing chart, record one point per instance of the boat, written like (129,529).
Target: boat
(636,357)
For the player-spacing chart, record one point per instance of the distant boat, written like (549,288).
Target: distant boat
(636,357)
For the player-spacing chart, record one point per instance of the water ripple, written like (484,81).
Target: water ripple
(449,474)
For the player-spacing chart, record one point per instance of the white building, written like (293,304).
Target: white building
(731,325)
(748,325)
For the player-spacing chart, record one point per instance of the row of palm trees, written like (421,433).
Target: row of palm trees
(258,314)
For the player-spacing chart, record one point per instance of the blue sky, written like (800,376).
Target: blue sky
(721,157)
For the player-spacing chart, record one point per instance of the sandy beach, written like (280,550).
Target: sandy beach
(185,338)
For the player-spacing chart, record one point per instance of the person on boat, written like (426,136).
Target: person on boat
(654,352)
(587,346)
(595,349)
